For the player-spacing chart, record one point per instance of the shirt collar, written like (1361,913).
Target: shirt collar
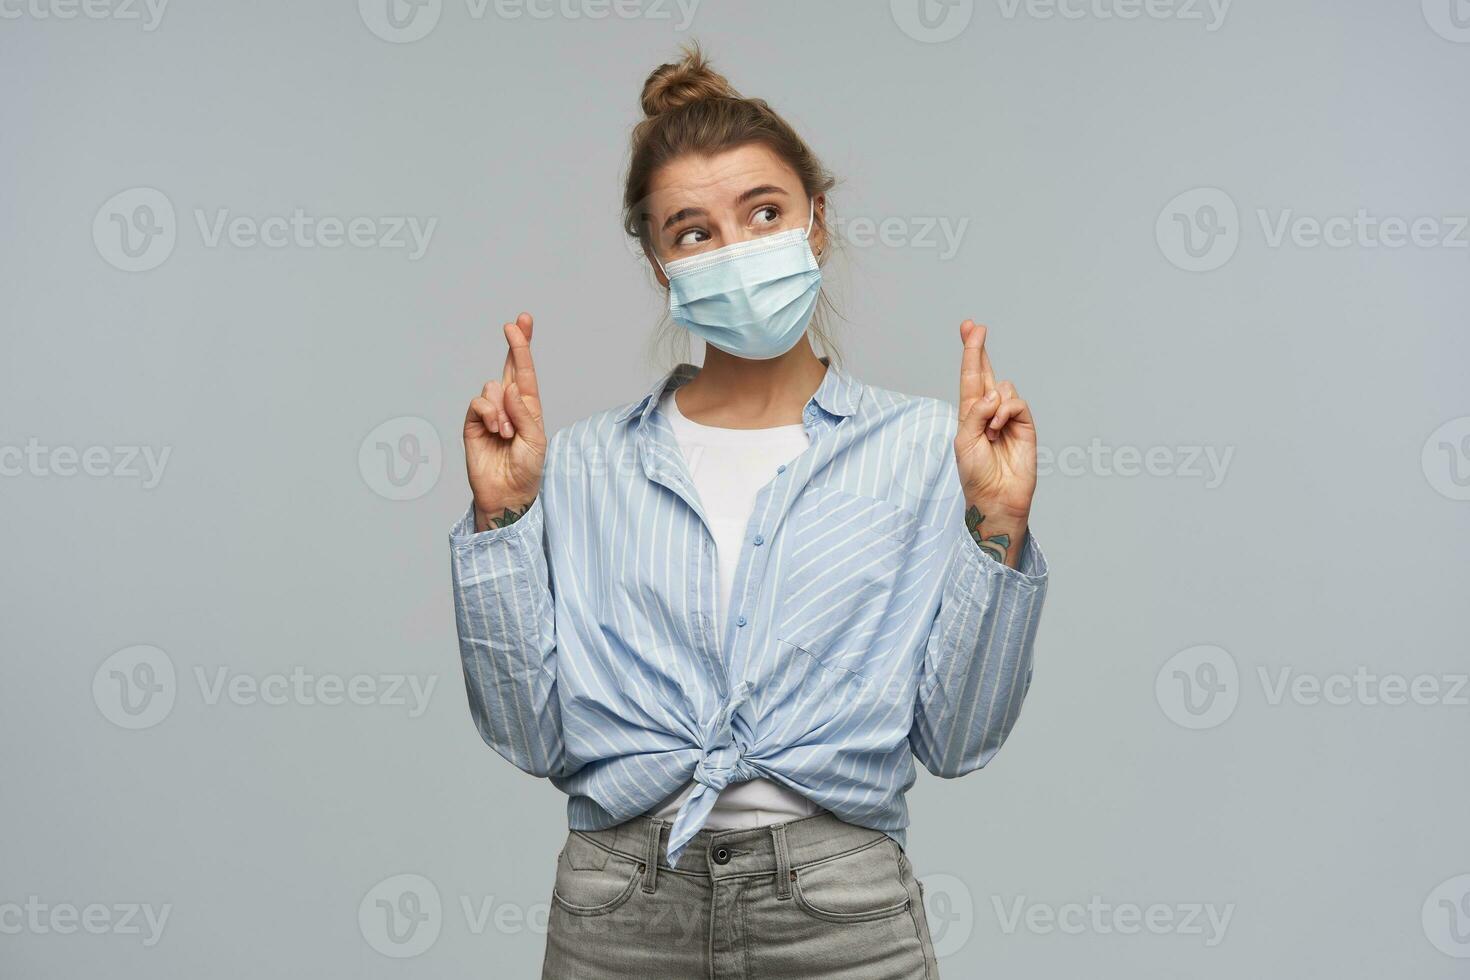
(839,392)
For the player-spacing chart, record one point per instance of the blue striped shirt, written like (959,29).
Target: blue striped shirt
(865,626)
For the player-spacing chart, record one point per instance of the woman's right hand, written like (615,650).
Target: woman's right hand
(504,441)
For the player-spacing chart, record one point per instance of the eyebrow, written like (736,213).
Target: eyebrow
(760,191)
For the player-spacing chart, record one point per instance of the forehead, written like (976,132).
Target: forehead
(718,179)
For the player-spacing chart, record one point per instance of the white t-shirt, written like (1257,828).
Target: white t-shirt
(729,467)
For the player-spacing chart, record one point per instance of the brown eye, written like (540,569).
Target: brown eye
(693,236)
(768,215)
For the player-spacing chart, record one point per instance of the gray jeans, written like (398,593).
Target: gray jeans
(809,898)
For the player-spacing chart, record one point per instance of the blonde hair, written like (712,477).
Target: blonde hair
(691,108)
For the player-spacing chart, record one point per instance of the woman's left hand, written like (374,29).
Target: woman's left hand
(995,451)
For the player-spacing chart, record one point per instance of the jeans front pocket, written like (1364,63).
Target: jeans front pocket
(859,886)
(591,880)
(848,916)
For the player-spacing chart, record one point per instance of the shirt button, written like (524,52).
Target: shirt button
(781,468)
(759,540)
(722,855)
(740,621)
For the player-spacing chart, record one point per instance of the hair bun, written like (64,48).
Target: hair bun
(675,85)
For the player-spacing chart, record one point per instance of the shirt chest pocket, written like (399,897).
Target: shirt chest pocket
(843,557)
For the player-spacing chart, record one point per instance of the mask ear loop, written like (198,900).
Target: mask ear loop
(654,252)
(811,220)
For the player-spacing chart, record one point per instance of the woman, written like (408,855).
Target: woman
(725,617)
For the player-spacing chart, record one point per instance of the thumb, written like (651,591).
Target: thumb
(521,416)
(982,410)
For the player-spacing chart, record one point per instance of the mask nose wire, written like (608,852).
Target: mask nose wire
(811,220)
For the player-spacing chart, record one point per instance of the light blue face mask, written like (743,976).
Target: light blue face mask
(752,299)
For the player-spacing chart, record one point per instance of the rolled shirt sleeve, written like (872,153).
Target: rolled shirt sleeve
(977,663)
(504,613)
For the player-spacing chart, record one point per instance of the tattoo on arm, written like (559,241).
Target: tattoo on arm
(996,545)
(505,518)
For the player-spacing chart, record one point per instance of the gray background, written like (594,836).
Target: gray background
(1334,834)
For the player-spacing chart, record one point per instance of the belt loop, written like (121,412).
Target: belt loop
(783,862)
(650,856)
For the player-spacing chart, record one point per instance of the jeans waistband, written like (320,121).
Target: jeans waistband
(735,853)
